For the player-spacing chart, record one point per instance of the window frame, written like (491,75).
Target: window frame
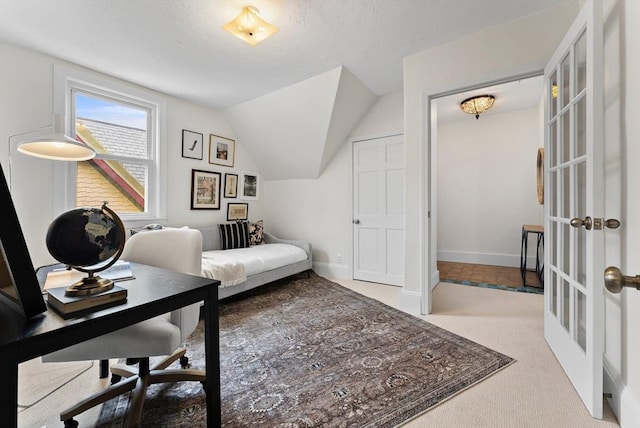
(67,81)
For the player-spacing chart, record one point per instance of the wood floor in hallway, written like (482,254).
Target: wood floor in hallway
(476,274)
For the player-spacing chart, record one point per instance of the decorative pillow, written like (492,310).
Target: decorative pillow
(256,233)
(234,235)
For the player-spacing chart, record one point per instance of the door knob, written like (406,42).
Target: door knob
(356,221)
(578,222)
(612,223)
(614,280)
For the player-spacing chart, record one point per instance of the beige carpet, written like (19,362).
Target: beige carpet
(37,380)
(534,392)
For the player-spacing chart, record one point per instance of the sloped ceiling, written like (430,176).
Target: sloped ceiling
(293,133)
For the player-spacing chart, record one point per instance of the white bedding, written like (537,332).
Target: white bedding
(255,259)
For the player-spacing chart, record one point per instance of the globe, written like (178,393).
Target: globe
(89,240)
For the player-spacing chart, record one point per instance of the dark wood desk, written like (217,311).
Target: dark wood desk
(153,292)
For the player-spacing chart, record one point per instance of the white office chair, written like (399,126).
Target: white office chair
(179,250)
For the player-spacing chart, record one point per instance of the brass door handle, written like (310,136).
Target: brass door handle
(578,222)
(595,223)
(612,223)
(614,280)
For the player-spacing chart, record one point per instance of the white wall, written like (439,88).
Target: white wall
(486,180)
(26,91)
(319,210)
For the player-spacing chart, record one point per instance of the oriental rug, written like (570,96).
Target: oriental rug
(306,352)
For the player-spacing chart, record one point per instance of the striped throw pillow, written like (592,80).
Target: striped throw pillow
(234,235)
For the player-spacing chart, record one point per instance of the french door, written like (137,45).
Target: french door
(574,205)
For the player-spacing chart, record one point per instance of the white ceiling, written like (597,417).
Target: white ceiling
(178,46)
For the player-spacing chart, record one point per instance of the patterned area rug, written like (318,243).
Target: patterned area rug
(306,352)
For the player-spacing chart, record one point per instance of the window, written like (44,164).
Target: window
(120,123)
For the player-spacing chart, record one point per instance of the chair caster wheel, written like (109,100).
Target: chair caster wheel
(71,423)
(115,379)
(184,362)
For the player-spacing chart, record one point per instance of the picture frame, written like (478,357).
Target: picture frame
(237,211)
(205,190)
(19,286)
(249,185)
(231,185)
(192,144)
(222,151)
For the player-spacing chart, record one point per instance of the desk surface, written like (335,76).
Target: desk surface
(153,292)
(48,332)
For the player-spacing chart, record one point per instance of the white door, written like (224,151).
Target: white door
(574,256)
(378,210)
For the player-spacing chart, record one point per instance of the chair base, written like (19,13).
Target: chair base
(138,383)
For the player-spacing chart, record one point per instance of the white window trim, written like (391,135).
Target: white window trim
(64,79)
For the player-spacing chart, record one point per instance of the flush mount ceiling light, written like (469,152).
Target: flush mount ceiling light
(249,27)
(477,105)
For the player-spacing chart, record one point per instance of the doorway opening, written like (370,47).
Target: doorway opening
(484,187)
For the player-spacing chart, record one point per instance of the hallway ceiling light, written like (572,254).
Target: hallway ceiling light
(477,105)
(249,27)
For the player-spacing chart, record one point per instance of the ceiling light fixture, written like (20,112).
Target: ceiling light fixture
(249,27)
(477,105)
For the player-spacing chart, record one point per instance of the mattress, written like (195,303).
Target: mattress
(259,258)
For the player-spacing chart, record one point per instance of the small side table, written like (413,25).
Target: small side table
(539,269)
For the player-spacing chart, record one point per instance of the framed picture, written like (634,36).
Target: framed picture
(192,144)
(249,185)
(231,185)
(19,287)
(205,190)
(222,150)
(239,211)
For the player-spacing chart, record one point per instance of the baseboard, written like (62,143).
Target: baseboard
(622,402)
(509,260)
(332,270)
(410,302)
(435,278)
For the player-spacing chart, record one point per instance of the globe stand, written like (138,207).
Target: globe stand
(89,286)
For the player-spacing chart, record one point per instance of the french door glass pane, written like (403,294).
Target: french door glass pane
(553,202)
(580,52)
(553,96)
(551,237)
(553,145)
(581,319)
(581,256)
(566,194)
(565,87)
(566,244)
(565,304)
(581,126)
(553,302)
(565,141)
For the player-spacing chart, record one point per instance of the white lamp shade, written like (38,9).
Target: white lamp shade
(57,147)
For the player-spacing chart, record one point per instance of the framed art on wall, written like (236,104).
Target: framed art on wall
(192,144)
(231,185)
(249,185)
(19,287)
(221,150)
(237,211)
(205,190)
